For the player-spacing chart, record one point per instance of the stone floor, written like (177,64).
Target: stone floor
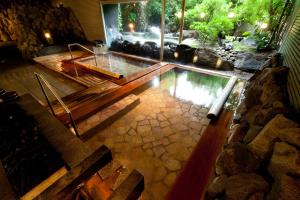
(156,138)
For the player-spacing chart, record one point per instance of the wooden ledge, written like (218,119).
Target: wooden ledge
(195,175)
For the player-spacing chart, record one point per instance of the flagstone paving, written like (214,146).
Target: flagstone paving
(156,138)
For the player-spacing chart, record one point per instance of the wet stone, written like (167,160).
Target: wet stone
(165,141)
(147,146)
(174,138)
(149,152)
(154,123)
(180,127)
(166,131)
(119,139)
(161,118)
(160,173)
(157,143)
(174,148)
(123,130)
(172,164)
(132,132)
(158,151)
(140,118)
(170,179)
(149,138)
(144,122)
(195,125)
(164,124)
(145,128)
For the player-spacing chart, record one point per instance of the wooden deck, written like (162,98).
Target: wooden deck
(100,92)
(55,63)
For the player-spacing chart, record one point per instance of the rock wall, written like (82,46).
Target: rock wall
(26,24)
(261,159)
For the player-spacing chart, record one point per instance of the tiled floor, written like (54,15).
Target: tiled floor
(156,138)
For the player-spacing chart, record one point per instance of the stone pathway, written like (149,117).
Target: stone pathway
(107,115)
(156,138)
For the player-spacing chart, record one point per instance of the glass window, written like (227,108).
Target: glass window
(134,28)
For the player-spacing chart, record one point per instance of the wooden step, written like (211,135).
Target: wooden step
(75,100)
(101,101)
(107,115)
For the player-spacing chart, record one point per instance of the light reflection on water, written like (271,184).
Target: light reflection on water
(200,89)
(117,64)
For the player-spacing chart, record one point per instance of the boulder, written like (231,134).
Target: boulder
(228,46)
(235,134)
(285,188)
(275,60)
(208,57)
(235,159)
(266,87)
(285,159)
(252,133)
(279,128)
(250,62)
(217,187)
(185,53)
(242,186)
(116,45)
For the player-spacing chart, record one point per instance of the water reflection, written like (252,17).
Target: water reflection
(117,64)
(200,89)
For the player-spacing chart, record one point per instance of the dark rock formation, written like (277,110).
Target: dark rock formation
(208,57)
(235,159)
(279,128)
(27,23)
(264,97)
(285,159)
(172,52)
(242,186)
(185,53)
(250,62)
(285,188)
(262,124)
(27,157)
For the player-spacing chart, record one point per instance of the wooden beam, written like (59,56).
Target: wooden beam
(131,188)
(182,21)
(75,176)
(162,30)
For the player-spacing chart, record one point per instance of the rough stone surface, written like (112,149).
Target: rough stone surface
(217,187)
(285,159)
(286,188)
(235,159)
(237,187)
(241,186)
(208,57)
(279,128)
(250,62)
(26,23)
(252,133)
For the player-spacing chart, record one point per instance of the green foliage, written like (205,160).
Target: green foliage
(215,19)
(153,12)
(262,39)
(132,17)
(246,34)
(216,15)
